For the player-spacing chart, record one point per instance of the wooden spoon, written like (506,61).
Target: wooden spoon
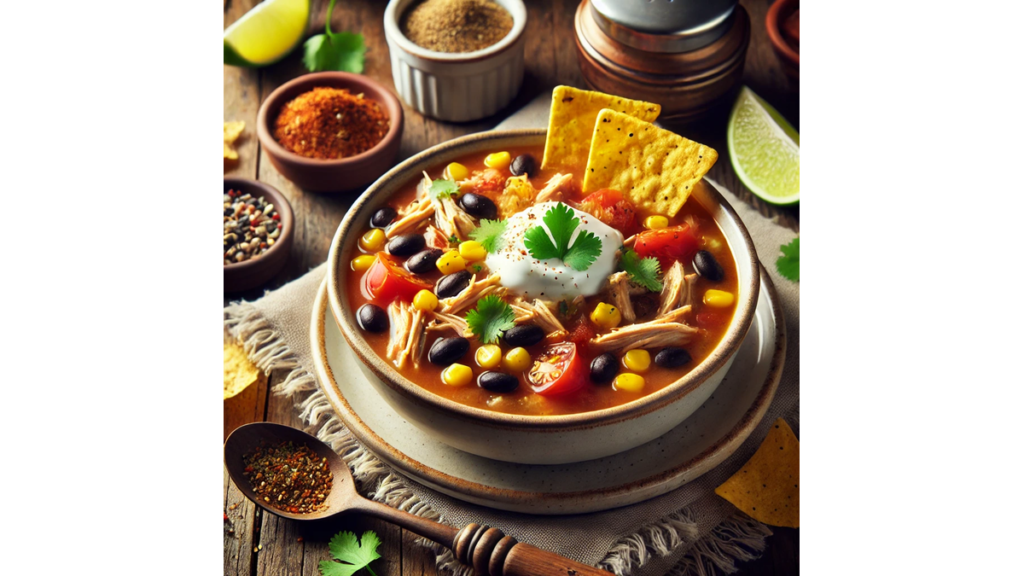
(488,550)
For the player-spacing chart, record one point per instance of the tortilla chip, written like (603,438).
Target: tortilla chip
(243,385)
(571,126)
(654,168)
(239,372)
(767,488)
(232,130)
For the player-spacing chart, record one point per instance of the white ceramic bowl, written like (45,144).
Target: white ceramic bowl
(456,87)
(534,439)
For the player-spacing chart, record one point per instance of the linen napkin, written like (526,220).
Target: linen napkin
(690,530)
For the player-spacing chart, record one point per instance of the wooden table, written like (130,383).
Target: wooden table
(257,543)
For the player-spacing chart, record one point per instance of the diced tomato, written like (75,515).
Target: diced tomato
(668,245)
(386,281)
(581,335)
(610,207)
(558,371)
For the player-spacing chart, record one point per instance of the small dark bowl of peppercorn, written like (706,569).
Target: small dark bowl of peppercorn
(320,117)
(258,231)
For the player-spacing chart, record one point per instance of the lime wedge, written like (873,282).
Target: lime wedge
(764,150)
(267,33)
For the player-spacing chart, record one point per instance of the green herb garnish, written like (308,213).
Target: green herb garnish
(442,188)
(491,318)
(343,51)
(644,272)
(561,223)
(789,263)
(489,234)
(352,555)
(476,268)
(454,240)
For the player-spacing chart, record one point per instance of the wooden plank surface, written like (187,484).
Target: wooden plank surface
(262,544)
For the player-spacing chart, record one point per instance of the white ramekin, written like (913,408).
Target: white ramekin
(456,87)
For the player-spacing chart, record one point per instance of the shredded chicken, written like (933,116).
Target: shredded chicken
(666,330)
(556,189)
(518,195)
(406,339)
(475,291)
(444,321)
(688,298)
(489,180)
(618,284)
(434,238)
(539,312)
(451,219)
(408,221)
(628,242)
(677,290)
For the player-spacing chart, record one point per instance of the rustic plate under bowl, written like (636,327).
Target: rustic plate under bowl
(697,445)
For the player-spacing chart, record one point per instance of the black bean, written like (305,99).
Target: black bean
(423,262)
(604,368)
(524,335)
(672,358)
(383,217)
(497,382)
(372,318)
(452,284)
(406,244)
(446,351)
(706,265)
(523,164)
(478,206)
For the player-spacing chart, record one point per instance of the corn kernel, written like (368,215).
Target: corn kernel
(457,171)
(457,375)
(362,262)
(424,300)
(629,382)
(488,356)
(372,240)
(450,262)
(498,160)
(517,360)
(472,251)
(718,298)
(606,316)
(655,222)
(637,360)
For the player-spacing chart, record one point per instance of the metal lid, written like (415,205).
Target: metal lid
(664,25)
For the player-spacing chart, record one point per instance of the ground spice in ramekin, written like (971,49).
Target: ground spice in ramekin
(456,25)
(330,123)
(289,478)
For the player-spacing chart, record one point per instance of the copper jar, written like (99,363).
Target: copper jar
(688,72)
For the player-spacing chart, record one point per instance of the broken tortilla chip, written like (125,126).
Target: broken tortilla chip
(571,126)
(232,130)
(242,384)
(767,488)
(239,372)
(654,168)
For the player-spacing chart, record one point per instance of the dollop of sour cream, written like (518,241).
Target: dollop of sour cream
(551,279)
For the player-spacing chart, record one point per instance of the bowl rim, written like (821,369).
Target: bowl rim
(281,204)
(343,80)
(726,348)
(771,22)
(393,31)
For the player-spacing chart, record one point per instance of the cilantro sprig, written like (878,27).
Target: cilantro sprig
(644,272)
(562,222)
(442,188)
(351,554)
(491,318)
(789,263)
(488,234)
(343,51)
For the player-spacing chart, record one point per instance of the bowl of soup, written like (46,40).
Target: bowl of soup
(507,313)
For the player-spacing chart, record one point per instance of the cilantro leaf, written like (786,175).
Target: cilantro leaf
(561,222)
(491,318)
(488,234)
(789,263)
(441,188)
(343,51)
(643,272)
(353,556)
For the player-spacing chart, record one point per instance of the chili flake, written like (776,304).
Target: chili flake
(289,478)
(330,123)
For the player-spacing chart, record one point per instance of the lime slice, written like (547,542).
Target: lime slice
(267,33)
(764,150)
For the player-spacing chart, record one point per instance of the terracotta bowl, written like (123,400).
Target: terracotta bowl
(534,439)
(255,272)
(788,54)
(331,175)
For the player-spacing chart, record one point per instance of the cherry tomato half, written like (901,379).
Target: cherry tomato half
(610,207)
(668,245)
(386,280)
(558,371)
